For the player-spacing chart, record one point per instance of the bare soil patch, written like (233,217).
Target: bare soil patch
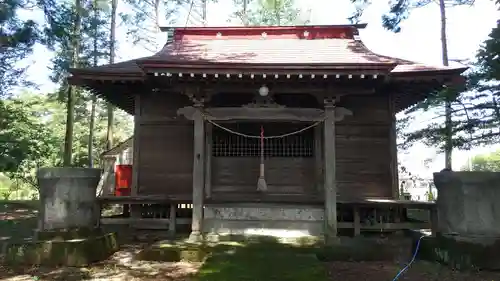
(386,271)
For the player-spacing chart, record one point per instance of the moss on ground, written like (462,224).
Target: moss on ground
(262,261)
(266,259)
(347,249)
(460,254)
(76,252)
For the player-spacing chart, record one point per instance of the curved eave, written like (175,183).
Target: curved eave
(95,74)
(282,27)
(409,93)
(152,66)
(120,93)
(432,73)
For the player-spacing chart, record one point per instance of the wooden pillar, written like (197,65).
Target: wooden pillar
(208,160)
(357,221)
(135,210)
(330,187)
(136,146)
(173,219)
(106,185)
(198,175)
(393,152)
(318,157)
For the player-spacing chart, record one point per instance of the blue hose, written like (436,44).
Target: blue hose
(411,261)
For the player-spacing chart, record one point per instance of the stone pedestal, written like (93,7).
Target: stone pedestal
(68,198)
(468,203)
(68,233)
(468,206)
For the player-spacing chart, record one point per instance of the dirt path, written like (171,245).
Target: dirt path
(386,271)
(119,267)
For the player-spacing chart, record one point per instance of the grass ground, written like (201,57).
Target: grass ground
(269,262)
(262,261)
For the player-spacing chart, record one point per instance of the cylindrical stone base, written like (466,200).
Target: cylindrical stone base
(468,203)
(68,198)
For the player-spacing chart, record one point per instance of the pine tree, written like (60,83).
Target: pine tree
(398,12)
(268,13)
(112,51)
(17,39)
(143,23)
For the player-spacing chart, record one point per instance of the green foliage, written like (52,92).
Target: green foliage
(399,10)
(476,111)
(32,126)
(268,13)
(143,22)
(475,107)
(37,123)
(23,133)
(17,39)
(488,162)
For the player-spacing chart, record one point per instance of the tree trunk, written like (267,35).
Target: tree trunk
(91,132)
(204,11)
(93,99)
(112,39)
(277,6)
(70,113)
(448,146)
(244,15)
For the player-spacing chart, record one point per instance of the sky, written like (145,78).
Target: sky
(418,41)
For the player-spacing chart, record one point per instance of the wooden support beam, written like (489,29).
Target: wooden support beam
(357,221)
(135,211)
(318,157)
(388,226)
(136,146)
(393,146)
(263,113)
(107,182)
(198,174)
(146,199)
(330,185)
(145,223)
(173,219)
(208,160)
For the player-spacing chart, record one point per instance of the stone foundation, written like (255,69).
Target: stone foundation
(468,207)
(74,252)
(283,222)
(461,253)
(468,203)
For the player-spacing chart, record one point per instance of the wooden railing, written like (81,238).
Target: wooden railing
(150,212)
(386,215)
(107,183)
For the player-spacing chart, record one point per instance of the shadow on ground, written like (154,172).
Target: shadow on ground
(120,266)
(260,259)
(17,219)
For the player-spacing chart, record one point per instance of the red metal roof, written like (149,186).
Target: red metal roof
(335,45)
(302,45)
(271,48)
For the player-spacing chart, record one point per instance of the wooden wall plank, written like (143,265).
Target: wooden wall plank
(166,147)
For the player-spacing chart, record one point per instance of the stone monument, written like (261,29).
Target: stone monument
(68,222)
(68,198)
(468,206)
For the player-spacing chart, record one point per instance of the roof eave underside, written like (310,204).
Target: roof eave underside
(127,84)
(143,69)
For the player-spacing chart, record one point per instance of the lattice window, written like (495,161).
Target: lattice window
(226,144)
